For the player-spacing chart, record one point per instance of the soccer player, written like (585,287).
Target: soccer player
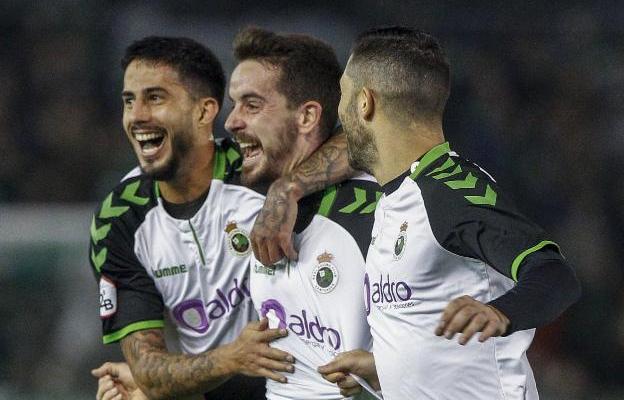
(285,93)
(450,253)
(172,236)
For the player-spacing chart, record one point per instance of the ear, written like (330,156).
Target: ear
(366,104)
(208,110)
(309,116)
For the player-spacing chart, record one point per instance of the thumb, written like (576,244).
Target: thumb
(107,368)
(289,249)
(337,365)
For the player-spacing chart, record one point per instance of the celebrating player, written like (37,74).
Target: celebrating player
(173,235)
(450,253)
(285,93)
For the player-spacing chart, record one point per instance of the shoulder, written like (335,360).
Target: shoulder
(122,211)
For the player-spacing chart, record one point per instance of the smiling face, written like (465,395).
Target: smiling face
(261,122)
(361,145)
(157,117)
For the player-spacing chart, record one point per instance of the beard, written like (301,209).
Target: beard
(180,145)
(361,147)
(274,160)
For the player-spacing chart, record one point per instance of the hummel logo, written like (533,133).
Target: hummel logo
(169,271)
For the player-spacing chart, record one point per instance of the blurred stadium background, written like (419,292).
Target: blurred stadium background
(536,99)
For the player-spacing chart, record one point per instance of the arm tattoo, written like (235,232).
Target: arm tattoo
(326,166)
(160,374)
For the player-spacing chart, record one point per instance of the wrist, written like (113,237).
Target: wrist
(290,186)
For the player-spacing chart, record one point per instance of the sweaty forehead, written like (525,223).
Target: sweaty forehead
(141,74)
(252,76)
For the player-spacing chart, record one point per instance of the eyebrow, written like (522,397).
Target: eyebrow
(151,89)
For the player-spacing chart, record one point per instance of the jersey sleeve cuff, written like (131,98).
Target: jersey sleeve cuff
(515,265)
(128,329)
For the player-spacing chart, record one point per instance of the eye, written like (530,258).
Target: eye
(155,98)
(252,106)
(127,101)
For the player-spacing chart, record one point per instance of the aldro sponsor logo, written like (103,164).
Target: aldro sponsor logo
(196,315)
(237,239)
(307,327)
(169,271)
(386,292)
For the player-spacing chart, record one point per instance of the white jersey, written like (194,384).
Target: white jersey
(319,298)
(195,269)
(443,230)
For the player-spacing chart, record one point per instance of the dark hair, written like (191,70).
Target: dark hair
(309,69)
(406,66)
(198,68)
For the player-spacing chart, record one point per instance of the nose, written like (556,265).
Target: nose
(234,122)
(140,112)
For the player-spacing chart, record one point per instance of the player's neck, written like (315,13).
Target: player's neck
(193,176)
(399,147)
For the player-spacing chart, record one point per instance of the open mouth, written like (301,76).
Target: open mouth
(150,142)
(251,150)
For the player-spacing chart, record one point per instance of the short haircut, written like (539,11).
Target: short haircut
(199,69)
(309,69)
(406,67)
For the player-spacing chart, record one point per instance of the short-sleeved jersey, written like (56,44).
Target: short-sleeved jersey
(319,298)
(196,269)
(443,230)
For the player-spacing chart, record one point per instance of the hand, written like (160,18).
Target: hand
(251,355)
(469,316)
(115,382)
(358,362)
(271,236)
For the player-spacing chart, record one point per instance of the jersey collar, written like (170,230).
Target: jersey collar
(428,158)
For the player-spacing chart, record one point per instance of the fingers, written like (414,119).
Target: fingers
(269,335)
(334,377)
(287,248)
(267,373)
(275,365)
(274,252)
(107,368)
(476,324)
(106,388)
(278,355)
(449,313)
(468,316)
(349,387)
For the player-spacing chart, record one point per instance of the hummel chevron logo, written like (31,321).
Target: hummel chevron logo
(468,183)
(129,194)
(488,199)
(100,233)
(99,258)
(360,200)
(109,211)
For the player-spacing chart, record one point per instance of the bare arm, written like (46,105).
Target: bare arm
(272,232)
(160,374)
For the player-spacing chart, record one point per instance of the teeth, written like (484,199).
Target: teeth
(142,137)
(246,145)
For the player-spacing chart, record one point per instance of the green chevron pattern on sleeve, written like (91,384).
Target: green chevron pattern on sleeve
(218,170)
(233,156)
(137,326)
(457,170)
(129,194)
(447,164)
(360,201)
(488,199)
(110,211)
(432,155)
(470,182)
(99,258)
(328,201)
(518,260)
(100,233)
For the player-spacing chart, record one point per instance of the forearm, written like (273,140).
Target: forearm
(543,292)
(161,375)
(326,166)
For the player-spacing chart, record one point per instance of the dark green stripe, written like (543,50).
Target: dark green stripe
(218,170)
(518,260)
(201,252)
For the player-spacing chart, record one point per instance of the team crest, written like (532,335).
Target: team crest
(238,240)
(399,245)
(325,274)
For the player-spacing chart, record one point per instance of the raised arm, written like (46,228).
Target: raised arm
(271,237)
(160,374)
